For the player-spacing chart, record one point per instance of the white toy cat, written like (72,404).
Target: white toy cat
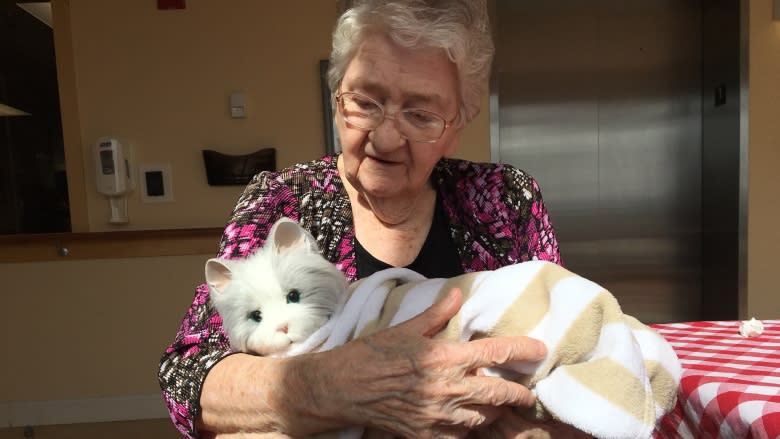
(278,296)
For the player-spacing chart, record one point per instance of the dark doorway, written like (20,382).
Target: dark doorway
(33,185)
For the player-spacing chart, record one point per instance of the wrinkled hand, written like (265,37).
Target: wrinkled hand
(402,381)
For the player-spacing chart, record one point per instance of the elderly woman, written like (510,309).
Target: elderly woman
(408,75)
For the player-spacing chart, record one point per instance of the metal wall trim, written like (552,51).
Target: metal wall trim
(744,146)
(493,88)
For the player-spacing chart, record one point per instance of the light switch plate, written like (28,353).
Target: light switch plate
(238,106)
(156,183)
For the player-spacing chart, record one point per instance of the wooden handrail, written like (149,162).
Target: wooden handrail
(108,245)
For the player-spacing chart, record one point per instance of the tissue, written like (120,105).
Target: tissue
(751,328)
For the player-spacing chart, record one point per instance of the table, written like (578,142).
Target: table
(730,386)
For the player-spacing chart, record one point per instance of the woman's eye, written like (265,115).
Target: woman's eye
(420,118)
(357,104)
(293,296)
(364,104)
(256,315)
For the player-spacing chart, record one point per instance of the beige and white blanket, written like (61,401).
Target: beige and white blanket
(606,373)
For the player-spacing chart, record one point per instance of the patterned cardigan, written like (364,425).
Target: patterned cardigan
(496,217)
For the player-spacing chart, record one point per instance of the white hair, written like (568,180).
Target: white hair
(460,27)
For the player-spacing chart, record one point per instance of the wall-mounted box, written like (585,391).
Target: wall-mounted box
(224,169)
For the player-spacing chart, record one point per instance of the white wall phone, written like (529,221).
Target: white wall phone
(115,175)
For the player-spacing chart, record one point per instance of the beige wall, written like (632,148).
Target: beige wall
(91,328)
(161,80)
(763,299)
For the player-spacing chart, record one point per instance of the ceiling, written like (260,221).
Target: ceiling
(39,10)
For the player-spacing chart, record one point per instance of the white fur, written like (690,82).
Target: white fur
(289,261)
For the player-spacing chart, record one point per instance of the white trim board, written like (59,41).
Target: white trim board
(82,411)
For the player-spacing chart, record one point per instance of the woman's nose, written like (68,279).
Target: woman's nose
(387,136)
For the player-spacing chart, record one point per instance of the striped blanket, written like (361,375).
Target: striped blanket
(606,373)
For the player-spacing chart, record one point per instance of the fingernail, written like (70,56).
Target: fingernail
(452,295)
(541,349)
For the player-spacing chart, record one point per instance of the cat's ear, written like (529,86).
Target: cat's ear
(286,234)
(218,274)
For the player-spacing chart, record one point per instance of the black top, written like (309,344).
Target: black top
(438,256)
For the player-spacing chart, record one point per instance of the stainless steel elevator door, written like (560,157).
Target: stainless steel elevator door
(600,101)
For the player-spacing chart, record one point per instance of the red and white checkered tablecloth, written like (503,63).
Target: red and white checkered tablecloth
(730,386)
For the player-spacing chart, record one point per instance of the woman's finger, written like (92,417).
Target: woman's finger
(489,352)
(475,416)
(495,392)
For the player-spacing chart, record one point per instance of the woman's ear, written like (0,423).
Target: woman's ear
(452,145)
(218,274)
(286,235)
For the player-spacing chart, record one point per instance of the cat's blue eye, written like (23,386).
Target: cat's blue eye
(293,296)
(256,315)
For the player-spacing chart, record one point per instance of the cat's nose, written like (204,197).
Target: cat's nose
(283,328)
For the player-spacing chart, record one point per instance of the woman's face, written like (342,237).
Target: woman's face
(382,163)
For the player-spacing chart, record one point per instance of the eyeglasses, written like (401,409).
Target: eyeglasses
(414,124)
